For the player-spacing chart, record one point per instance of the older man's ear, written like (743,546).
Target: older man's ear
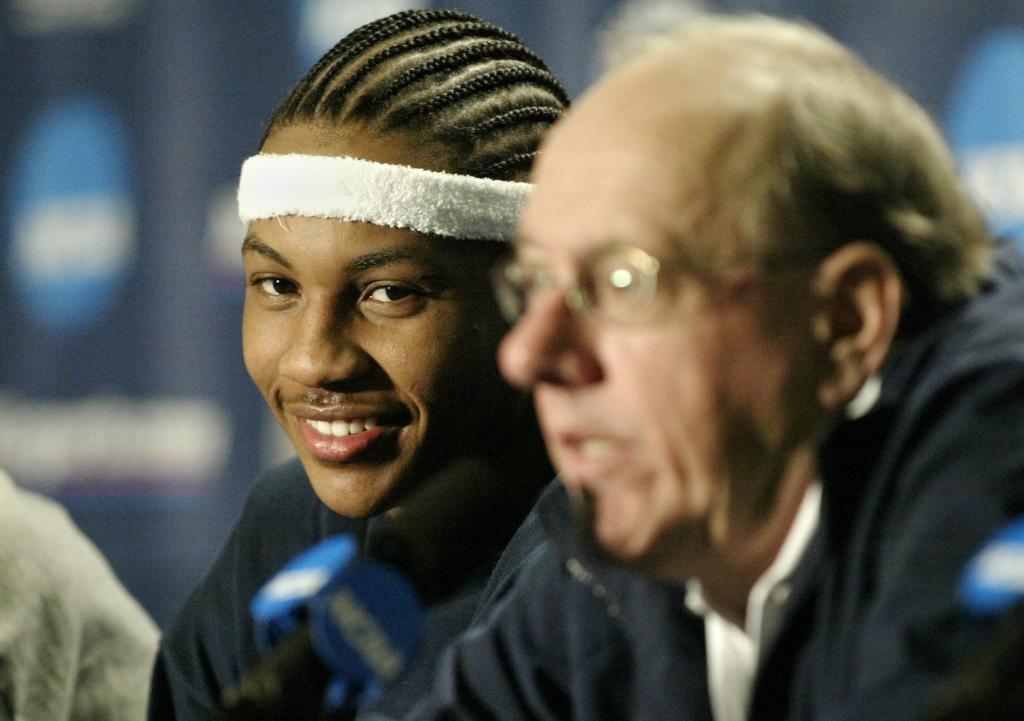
(860,296)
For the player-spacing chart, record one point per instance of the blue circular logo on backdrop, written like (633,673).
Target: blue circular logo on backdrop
(72,215)
(985,126)
(322,23)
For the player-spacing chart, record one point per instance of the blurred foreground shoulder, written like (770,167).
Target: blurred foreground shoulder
(73,643)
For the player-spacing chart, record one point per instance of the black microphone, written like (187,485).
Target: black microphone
(453,527)
(341,627)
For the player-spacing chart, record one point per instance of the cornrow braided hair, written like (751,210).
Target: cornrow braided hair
(500,77)
(446,77)
(517,162)
(455,60)
(356,43)
(530,113)
(438,36)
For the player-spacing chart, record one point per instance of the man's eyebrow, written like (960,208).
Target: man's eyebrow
(252,244)
(383,257)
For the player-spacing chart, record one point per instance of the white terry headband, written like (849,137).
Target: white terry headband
(396,196)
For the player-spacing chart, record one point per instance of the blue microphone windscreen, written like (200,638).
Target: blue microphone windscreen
(368,628)
(280,606)
(994,579)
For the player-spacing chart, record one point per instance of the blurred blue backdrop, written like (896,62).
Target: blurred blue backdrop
(122,127)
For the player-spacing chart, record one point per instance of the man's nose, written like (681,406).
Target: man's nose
(549,344)
(323,351)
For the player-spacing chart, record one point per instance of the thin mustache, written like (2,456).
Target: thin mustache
(324,398)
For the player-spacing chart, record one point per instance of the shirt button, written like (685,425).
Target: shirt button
(779,594)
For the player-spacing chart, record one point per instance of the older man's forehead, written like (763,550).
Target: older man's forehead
(636,189)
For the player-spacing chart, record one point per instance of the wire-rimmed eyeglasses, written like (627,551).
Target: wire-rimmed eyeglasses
(625,284)
(617,282)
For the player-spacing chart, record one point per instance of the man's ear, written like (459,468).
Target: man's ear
(860,296)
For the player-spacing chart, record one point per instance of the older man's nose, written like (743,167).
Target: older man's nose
(548,344)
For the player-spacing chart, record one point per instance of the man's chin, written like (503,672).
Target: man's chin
(350,493)
(617,538)
(604,526)
(617,542)
(623,541)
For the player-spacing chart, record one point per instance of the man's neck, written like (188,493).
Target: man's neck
(752,545)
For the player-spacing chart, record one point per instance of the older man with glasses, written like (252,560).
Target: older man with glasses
(748,289)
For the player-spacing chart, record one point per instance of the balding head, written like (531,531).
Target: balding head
(754,137)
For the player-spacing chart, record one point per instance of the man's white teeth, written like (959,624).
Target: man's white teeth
(343,428)
(594,446)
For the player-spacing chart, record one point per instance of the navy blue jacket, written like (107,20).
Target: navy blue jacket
(211,641)
(911,490)
(581,639)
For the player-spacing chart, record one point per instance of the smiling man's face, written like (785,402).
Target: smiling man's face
(373,347)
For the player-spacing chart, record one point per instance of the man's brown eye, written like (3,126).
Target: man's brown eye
(276,286)
(390,293)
